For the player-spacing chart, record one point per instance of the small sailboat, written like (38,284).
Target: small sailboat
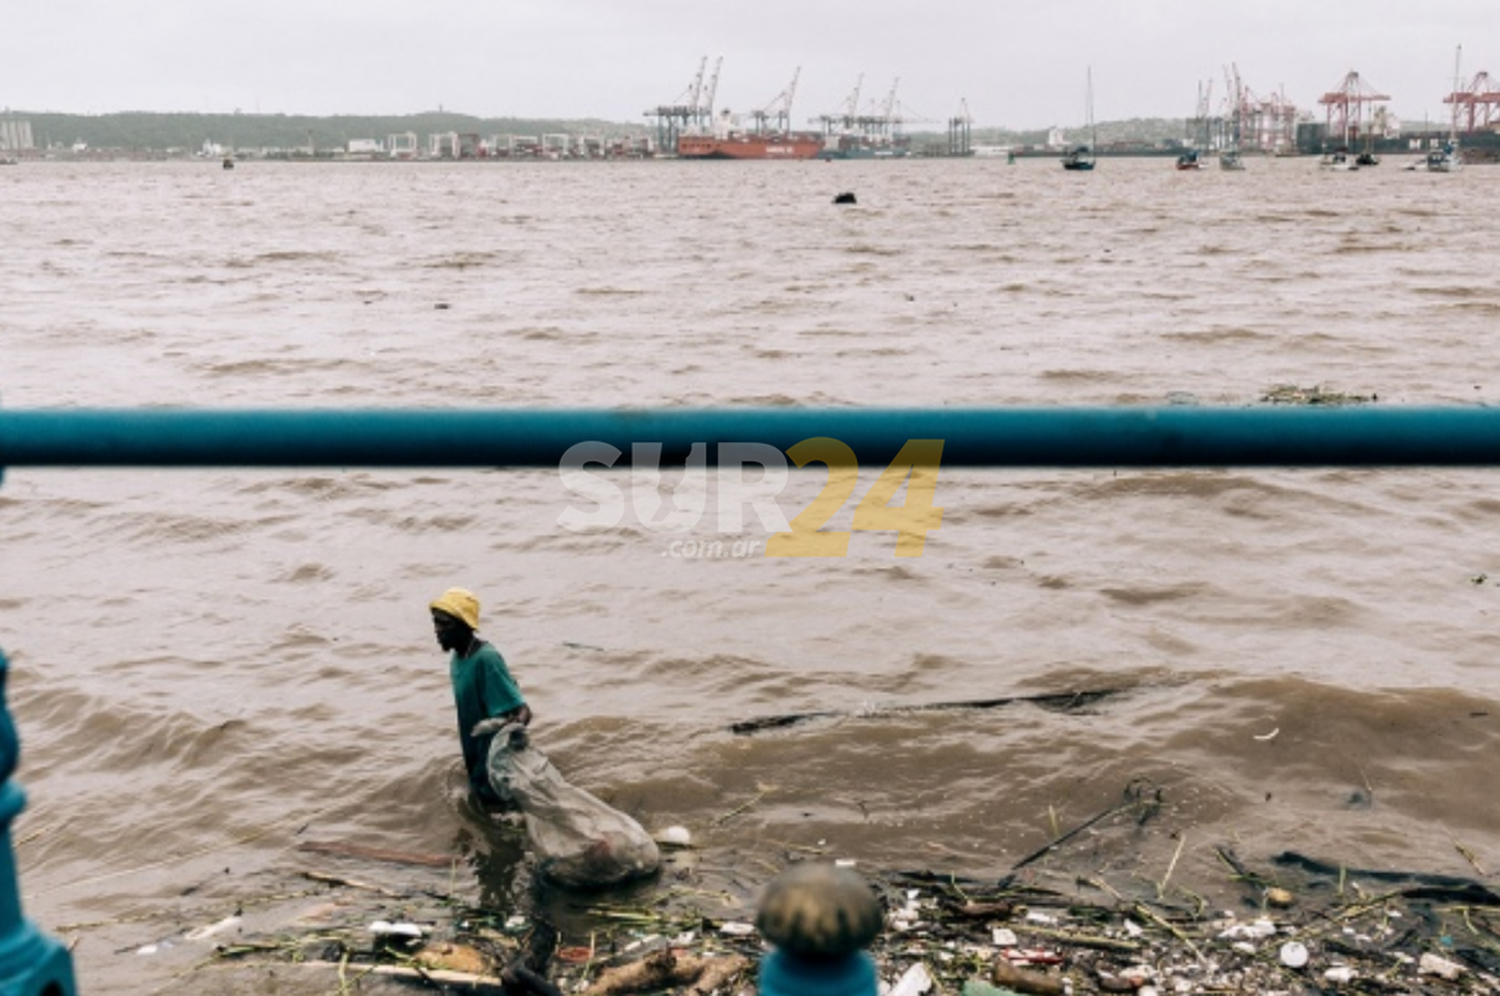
(1192,156)
(1446,158)
(1229,155)
(1367,157)
(1082,157)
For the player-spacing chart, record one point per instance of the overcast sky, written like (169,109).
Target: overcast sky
(1015,63)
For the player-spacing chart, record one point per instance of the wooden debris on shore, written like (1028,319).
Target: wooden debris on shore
(1304,926)
(1048,926)
(669,969)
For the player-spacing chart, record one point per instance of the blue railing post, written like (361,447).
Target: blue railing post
(820,919)
(31,963)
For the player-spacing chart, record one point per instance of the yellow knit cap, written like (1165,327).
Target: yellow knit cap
(461,605)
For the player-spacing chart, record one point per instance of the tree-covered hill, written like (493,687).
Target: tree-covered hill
(141,130)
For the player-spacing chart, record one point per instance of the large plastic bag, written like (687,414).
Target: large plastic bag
(579,842)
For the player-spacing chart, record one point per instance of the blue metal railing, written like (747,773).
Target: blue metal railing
(1053,437)
(32,964)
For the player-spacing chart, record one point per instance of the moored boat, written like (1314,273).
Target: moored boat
(1081,158)
(1444,160)
(1339,161)
(1190,160)
(1447,159)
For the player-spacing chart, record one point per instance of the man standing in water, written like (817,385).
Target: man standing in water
(482,685)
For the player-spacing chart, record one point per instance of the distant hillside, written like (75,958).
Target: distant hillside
(141,131)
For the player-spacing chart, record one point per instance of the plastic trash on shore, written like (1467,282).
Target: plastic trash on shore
(579,842)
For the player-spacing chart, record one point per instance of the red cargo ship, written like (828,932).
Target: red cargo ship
(751,145)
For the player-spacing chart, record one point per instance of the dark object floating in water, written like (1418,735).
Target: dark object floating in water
(228,163)
(1052,701)
(847,197)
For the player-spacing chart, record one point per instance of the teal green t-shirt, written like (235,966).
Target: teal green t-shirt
(482,689)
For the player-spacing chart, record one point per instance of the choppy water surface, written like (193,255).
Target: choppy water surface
(211,668)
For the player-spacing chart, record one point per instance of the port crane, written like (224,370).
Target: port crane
(776,117)
(1346,106)
(706,104)
(889,110)
(692,111)
(959,128)
(878,124)
(1478,104)
(843,123)
(1270,123)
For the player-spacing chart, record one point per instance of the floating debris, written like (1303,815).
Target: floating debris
(1290,394)
(1280,897)
(674,836)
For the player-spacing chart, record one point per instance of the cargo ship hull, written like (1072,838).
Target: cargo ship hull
(749,146)
(865,152)
(861,147)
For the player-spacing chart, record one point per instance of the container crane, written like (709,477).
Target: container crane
(692,111)
(1478,105)
(706,105)
(888,111)
(1346,106)
(959,129)
(778,110)
(843,123)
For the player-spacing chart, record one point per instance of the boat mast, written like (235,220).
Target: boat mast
(1457,82)
(1093,130)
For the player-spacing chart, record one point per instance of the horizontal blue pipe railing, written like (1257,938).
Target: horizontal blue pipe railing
(999,437)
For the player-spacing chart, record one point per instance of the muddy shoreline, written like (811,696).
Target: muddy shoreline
(1287,923)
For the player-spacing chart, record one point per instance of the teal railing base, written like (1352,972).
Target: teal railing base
(31,963)
(783,973)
